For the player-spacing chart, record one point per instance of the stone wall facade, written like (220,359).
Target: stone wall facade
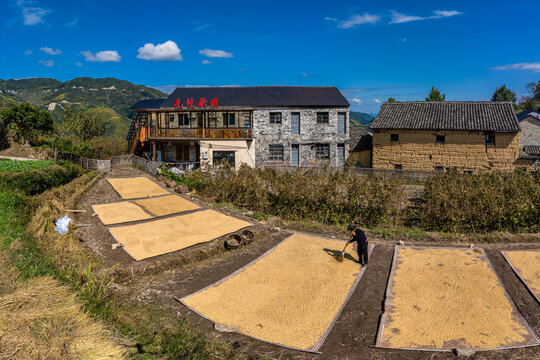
(311,133)
(418,150)
(530,131)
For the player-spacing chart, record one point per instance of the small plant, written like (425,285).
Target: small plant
(92,287)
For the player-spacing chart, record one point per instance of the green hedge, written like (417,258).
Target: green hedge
(37,181)
(483,202)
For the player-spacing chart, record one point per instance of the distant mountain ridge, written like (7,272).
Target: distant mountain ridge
(360,119)
(108,96)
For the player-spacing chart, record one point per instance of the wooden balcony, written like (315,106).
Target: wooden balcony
(200,134)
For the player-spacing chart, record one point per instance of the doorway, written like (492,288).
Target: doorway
(182,152)
(295,155)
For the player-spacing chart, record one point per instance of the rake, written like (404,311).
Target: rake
(341,255)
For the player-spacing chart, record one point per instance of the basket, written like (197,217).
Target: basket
(233,241)
(247,236)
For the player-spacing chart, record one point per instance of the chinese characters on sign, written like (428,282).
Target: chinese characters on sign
(190,103)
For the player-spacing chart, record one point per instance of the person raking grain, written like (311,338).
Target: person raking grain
(361,240)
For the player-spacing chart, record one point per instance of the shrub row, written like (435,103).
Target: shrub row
(484,202)
(36,181)
(330,197)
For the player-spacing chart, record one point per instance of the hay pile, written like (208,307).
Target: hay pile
(449,298)
(42,320)
(289,296)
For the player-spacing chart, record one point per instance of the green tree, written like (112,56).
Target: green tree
(435,95)
(391,99)
(85,125)
(532,100)
(504,94)
(27,121)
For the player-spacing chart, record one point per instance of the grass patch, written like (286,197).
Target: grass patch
(14,166)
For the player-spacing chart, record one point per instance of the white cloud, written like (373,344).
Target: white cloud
(399,18)
(73,22)
(47,63)
(327,18)
(403,40)
(534,66)
(206,61)
(304,74)
(377,101)
(168,51)
(355,100)
(102,56)
(33,15)
(355,20)
(202,27)
(216,53)
(28,52)
(79,64)
(50,51)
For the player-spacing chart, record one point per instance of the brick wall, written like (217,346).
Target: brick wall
(416,149)
(311,132)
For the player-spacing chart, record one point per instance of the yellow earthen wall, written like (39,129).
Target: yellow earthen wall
(362,158)
(417,150)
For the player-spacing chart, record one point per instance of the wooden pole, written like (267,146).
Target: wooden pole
(154,151)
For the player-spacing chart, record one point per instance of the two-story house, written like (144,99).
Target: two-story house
(257,126)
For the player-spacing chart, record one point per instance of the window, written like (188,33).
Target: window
(231,119)
(342,123)
(440,139)
(490,139)
(184,120)
(223,156)
(275,118)
(394,137)
(322,151)
(439,168)
(275,153)
(322,118)
(295,123)
(398,167)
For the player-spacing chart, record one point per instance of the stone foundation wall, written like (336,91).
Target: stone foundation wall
(311,133)
(417,150)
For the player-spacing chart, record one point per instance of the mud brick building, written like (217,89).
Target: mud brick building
(257,126)
(440,135)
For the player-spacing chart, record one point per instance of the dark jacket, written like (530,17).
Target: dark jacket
(359,237)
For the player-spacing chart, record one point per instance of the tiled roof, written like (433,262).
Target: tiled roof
(262,96)
(522,115)
(359,139)
(532,149)
(147,104)
(448,115)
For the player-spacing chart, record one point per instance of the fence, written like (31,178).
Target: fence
(106,165)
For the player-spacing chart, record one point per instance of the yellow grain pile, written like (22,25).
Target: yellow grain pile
(120,212)
(527,265)
(137,187)
(448,298)
(166,205)
(41,320)
(162,236)
(288,297)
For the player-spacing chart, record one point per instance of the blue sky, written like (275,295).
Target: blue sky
(369,49)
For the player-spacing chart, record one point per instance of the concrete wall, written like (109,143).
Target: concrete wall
(530,131)
(310,133)
(416,149)
(244,151)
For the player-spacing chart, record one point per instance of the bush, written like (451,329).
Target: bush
(484,202)
(327,196)
(36,181)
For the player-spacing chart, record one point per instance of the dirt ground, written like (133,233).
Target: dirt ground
(158,280)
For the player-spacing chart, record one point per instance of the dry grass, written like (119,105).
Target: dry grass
(449,298)
(41,320)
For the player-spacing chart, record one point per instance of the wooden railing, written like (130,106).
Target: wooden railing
(199,133)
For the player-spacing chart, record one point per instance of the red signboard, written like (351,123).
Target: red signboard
(189,103)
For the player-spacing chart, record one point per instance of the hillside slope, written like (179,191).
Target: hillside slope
(109,96)
(360,119)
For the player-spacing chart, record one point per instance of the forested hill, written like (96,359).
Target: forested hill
(109,96)
(360,119)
